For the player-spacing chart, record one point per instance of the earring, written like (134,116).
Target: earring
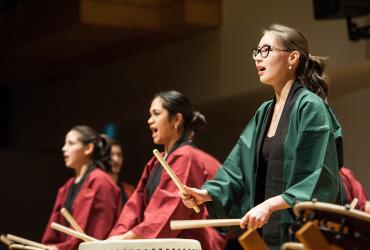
(290,67)
(176,127)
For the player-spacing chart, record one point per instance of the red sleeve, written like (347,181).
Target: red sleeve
(353,188)
(95,209)
(133,211)
(52,236)
(104,211)
(165,204)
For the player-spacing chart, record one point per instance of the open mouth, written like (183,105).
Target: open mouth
(260,68)
(154,131)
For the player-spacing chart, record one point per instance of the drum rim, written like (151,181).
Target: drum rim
(148,240)
(329,207)
(193,242)
(292,245)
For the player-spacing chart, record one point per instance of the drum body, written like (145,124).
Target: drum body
(341,225)
(142,244)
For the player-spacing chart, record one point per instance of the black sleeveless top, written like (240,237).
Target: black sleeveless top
(76,188)
(269,171)
(259,196)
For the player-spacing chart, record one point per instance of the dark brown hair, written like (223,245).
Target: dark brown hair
(101,155)
(175,102)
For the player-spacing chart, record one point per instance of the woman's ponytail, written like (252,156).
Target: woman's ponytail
(101,155)
(310,73)
(198,121)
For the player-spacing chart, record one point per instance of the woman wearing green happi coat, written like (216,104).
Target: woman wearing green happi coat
(290,151)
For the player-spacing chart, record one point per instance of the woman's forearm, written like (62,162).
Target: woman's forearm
(277,203)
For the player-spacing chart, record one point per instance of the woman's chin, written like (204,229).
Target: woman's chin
(68,166)
(156,142)
(264,80)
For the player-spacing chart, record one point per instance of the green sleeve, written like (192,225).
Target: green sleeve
(231,189)
(227,185)
(314,167)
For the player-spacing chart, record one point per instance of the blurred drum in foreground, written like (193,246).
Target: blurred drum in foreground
(142,244)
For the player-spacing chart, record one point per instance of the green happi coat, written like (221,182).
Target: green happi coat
(311,156)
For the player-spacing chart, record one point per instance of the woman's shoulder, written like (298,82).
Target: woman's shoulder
(307,101)
(261,111)
(189,151)
(263,108)
(314,110)
(66,185)
(193,152)
(101,178)
(98,173)
(307,97)
(186,151)
(264,105)
(198,158)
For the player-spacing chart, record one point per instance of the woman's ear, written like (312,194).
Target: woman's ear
(178,121)
(89,149)
(294,58)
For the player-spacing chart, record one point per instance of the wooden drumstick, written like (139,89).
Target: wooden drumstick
(71,220)
(19,246)
(353,203)
(249,240)
(5,240)
(72,232)
(173,176)
(188,224)
(26,242)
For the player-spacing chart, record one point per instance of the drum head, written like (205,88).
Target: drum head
(331,208)
(142,244)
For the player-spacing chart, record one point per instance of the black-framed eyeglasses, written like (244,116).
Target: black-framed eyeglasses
(265,51)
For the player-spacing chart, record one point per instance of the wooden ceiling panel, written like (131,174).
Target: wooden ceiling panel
(62,38)
(203,12)
(132,15)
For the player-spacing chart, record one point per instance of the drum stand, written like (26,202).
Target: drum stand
(312,239)
(252,240)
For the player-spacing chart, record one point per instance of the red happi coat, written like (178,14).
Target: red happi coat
(151,219)
(127,188)
(353,188)
(96,209)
